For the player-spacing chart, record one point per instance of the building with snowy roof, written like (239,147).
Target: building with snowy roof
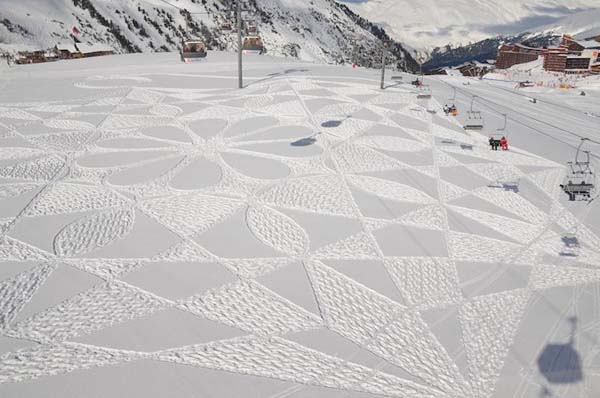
(94,50)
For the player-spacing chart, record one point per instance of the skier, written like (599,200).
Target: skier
(504,144)
(493,143)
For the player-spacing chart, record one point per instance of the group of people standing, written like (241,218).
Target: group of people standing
(501,143)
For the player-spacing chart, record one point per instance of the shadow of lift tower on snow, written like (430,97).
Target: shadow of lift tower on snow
(561,363)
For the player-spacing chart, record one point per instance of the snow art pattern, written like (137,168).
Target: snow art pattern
(152,200)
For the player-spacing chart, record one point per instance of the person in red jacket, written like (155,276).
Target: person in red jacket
(504,144)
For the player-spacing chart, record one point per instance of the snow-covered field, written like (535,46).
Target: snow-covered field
(165,234)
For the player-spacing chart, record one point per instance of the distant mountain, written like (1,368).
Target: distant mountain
(315,30)
(426,24)
(582,25)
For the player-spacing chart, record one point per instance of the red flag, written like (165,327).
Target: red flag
(75,30)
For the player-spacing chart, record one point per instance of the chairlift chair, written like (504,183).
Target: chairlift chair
(474,118)
(253,45)
(252,28)
(193,50)
(424,92)
(450,108)
(580,181)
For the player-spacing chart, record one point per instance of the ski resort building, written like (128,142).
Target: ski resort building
(510,55)
(94,50)
(67,51)
(572,56)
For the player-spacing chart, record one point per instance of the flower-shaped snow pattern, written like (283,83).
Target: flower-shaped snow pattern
(310,170)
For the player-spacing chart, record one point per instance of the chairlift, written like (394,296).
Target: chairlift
(499,140)
(253,45)
(580,181)
(424,92)
(474,118)
(193,50)
(450,110)
(252,28)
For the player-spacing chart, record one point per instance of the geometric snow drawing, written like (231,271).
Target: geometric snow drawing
(260,215)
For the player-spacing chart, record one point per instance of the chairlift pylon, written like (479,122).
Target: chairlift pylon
(580,181)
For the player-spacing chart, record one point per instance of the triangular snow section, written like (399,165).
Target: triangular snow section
(496,171)
(375,322)
(549,276)
(369,273)
(186,250)
(548,181)
(251,307)
(289,108)
(149,334)
(323,194)
(390,190)
(255,267)
(569,222)
(467,247)
(489,326)
(14,250)
(292,283)
(430,217)
(104,268)
(512,203)
(391,143)
(509,227)
(359,246)
(285,360)
(191,214)
(351,158)
(56,359)
(426,282)
(92,310)
(408,343)
(449,191)
(16,292)
(442,159)
(349,308)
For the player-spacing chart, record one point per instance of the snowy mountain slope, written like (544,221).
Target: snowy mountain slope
(316,30)
(582,25)
(427,24)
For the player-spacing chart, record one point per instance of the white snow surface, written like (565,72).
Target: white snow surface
(163,233)
(427,24)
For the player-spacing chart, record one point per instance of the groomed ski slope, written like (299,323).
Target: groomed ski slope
(165,234)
